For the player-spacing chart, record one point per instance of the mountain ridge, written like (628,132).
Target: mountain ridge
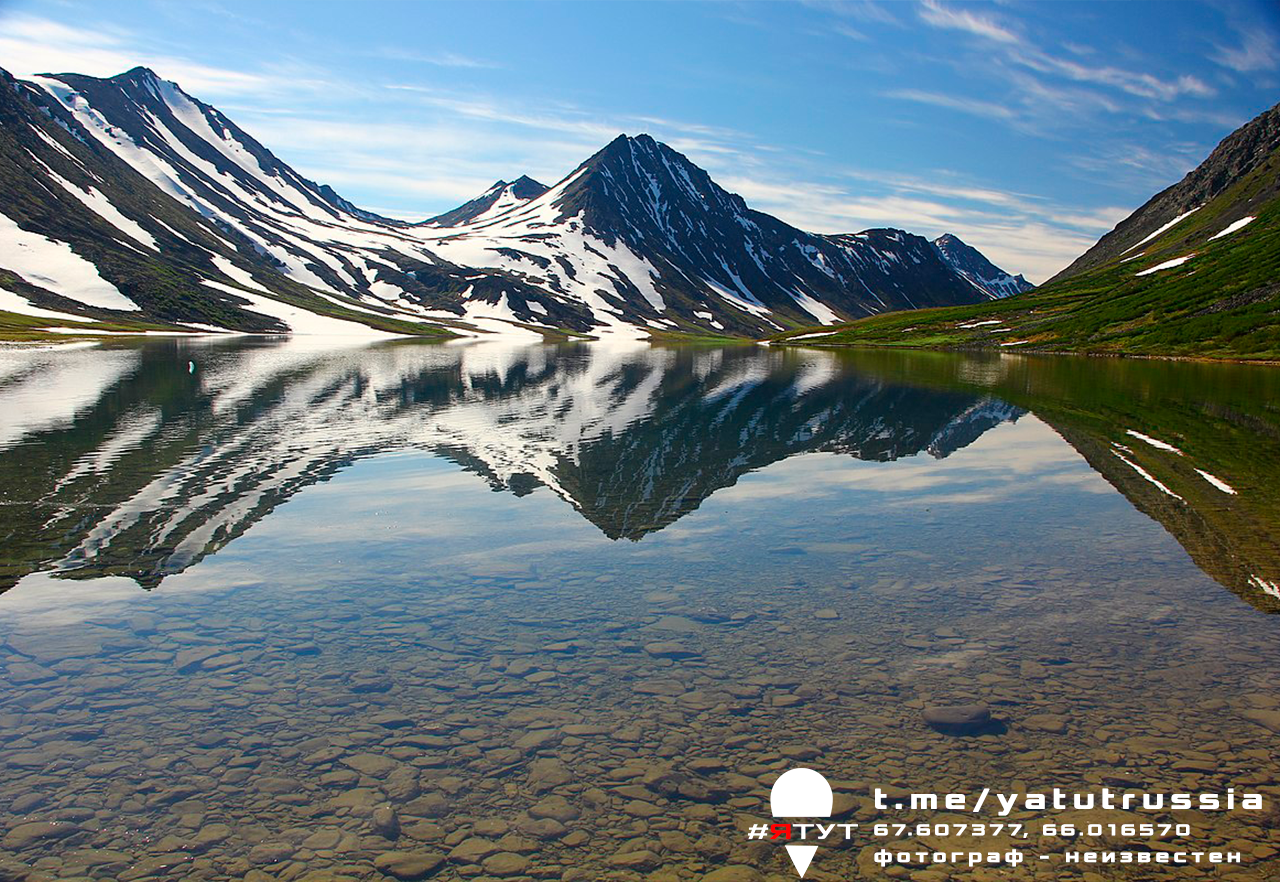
(699,246)
(498,199)
(638,241)
(1194,273)
(977,269)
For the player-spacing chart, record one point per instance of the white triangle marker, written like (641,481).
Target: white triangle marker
(801,793)
(801,855)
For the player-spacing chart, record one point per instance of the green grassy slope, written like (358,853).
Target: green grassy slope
(1222,303)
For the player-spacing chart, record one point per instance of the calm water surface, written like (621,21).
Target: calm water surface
(297,611)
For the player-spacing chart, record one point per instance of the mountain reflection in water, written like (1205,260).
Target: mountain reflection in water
(142,460)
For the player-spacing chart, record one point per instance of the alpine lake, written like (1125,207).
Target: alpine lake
(308,610)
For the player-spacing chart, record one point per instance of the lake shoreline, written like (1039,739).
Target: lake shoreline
(17,343)
(972,350)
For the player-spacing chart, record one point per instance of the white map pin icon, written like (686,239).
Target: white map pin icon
(801,793)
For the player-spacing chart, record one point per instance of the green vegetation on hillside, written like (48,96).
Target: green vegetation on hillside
(1222,303)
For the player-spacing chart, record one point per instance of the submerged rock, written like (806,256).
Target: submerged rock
(505,863)
(960,719)
(670,649)
(26,835)
(734,873)
(1052,723)
(385,822)
(408,864)
(1268,719)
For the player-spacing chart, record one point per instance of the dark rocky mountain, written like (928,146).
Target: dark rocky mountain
(980,272)
(177,218)
(710,263)
(1248,150)
(498,199)
(101,242)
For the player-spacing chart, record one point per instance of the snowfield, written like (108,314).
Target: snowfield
(53,265)
(1168,264)
(1234,227)
(1169,226)
(301,321)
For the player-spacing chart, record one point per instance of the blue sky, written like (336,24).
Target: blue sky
(1027,128)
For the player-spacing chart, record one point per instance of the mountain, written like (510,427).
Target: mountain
(129,206)
(1250,148)
(641,235)
(497,200)
(984,275)
(697,258)
(1194,272)
(158,212)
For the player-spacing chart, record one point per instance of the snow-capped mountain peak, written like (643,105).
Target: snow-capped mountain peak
(980,272)
(637,240)
(492,203)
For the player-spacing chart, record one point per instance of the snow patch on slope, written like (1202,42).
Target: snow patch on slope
(1170,225)
(299,320)
(818,310)
(497,318)
(235,274)
(11,302)
(1217,482)
(53,265)
(1168,264)
(1231,228)
(103,207)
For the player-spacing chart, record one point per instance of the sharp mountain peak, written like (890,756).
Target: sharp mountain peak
(638,239)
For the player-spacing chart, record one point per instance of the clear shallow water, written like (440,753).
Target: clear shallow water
(564,612)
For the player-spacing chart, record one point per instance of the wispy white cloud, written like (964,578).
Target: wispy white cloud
(865,11)
(851,32)
(498,110)
(972,106)
(1048,92)
(437,59)
(1138,166)
(1223,119)
(938,183)
(952,17)
(1137,83)
(1048,107)
(31,44)
(1257,51)
(425,165)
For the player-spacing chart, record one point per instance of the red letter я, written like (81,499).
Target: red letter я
(779,831)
